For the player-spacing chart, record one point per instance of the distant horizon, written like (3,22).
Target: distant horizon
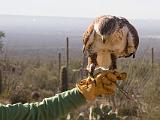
(28,32)
(75,16)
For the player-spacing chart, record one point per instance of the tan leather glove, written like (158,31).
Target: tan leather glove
(103,83)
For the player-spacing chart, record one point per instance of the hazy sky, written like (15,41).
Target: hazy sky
(141,9)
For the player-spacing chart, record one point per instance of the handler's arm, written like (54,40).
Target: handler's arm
(49,109)
(55,107)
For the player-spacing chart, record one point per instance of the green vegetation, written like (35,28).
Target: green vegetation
(21,77)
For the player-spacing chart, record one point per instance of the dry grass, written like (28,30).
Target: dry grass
(142,84)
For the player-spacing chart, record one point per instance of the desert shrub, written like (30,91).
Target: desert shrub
(151,101)
(20,95)
(40,78)
(101,112)
(35,95)
(142,85)
(46,93)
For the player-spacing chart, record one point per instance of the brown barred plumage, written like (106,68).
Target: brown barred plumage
(110,37)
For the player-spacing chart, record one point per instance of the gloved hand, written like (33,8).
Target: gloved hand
(103,83)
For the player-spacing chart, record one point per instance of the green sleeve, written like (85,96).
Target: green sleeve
(49,109)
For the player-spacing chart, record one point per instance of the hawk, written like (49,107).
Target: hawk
(108,38)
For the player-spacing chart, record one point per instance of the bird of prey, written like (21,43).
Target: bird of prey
(108,38)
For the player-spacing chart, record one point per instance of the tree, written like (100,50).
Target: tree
(2,35)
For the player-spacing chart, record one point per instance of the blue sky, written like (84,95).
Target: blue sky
(133,9)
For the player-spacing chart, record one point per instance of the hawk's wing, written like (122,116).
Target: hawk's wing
(132,38)
(88,36)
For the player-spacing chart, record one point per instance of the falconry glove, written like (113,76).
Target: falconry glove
(102,84)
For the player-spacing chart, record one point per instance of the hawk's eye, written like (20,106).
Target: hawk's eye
(118,77)
(114,72)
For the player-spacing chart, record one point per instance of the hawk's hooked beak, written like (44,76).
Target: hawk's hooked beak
(133,55)
(103,40)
